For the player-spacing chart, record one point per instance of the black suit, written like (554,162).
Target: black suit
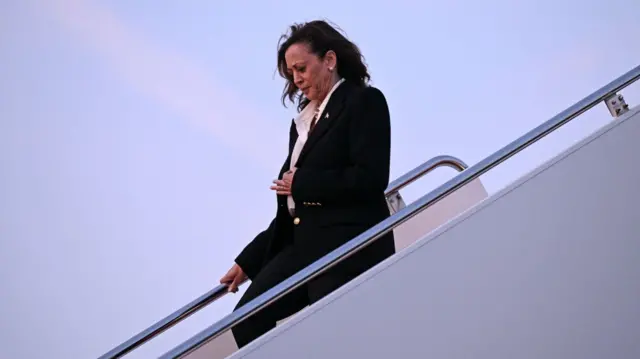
(338,189)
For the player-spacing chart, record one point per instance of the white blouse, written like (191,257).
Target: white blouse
(303,122)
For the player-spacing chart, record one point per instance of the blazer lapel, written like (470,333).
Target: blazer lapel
(293,136)
(331,111)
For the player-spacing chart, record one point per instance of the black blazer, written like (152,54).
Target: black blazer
(338,188)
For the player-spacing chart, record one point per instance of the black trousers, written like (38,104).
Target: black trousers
(281,267)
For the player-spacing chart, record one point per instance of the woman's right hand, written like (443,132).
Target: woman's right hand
(233,278)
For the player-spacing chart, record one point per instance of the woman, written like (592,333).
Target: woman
(331,186)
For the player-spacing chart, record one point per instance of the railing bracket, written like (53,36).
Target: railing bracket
(616,105)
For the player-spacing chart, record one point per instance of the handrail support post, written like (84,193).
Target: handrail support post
(616,105)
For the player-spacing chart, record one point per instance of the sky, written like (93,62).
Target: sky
(138,139)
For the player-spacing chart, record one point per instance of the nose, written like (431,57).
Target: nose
(297,79)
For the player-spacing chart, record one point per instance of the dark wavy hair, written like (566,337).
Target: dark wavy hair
(321,37)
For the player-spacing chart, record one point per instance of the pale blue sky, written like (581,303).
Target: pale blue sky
(138,139)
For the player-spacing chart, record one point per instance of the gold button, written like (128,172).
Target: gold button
(296,221)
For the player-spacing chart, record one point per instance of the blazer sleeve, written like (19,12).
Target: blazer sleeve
(252,257)
(369,157)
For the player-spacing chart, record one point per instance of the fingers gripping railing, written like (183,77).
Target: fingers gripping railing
(402,216)
(219,291)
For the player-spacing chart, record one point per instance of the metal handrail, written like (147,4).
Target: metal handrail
(382,228)
(216,293)
(423,169)
(167,322)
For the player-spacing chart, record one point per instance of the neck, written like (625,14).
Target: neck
(332,82)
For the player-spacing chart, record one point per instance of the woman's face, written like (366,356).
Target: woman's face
(314,76)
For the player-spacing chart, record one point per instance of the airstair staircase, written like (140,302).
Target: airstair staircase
(549,267)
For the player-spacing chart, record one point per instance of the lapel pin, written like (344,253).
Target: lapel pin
(327,115)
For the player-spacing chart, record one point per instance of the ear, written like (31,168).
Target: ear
(330,59)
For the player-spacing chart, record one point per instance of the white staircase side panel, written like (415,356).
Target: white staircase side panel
(218,348)
(439,213)
(549,267)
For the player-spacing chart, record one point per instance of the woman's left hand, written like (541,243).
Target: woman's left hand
(283,186)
